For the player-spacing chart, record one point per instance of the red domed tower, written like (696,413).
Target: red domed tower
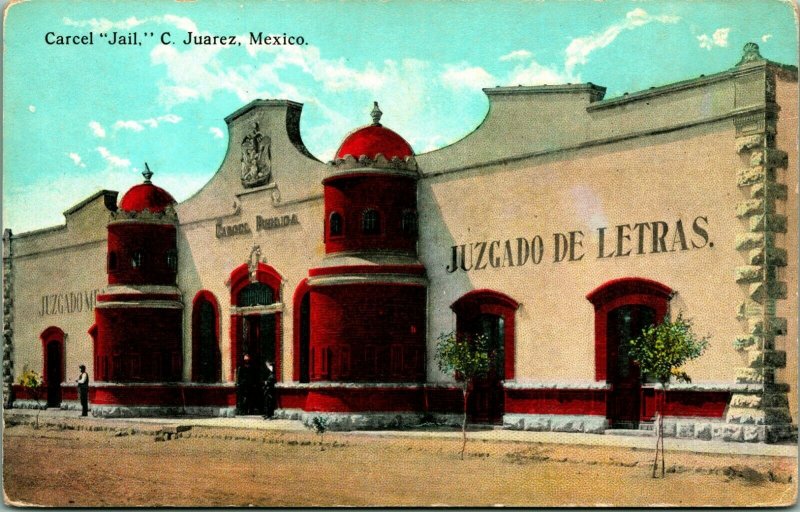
(139,315)
(368,299)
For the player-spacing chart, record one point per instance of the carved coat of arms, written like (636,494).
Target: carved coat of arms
(256,158)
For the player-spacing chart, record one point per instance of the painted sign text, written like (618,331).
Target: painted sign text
(612,242)
(68,302)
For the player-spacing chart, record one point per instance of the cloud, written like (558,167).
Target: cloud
(32,108)
(97,129)
(536,74)
(765,38)
(153,122)
(200,72)
(474,78)
(76,158)
(463,76)
(106,25)
(216,132)
(580,48)
(113,160)
(67,189)
(427,143)
(718,38)
(516,55)
(128,125)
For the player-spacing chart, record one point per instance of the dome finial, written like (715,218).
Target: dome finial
(376,114)
(147,173)
(750,53)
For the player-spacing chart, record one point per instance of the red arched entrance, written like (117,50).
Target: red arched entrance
(490,313)
(623,307)
(256,311)
(206,358)
(53,365)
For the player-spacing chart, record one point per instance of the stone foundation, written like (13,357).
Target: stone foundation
(30,404)
(683,428)
(556,423)
(145,411)
(343,421)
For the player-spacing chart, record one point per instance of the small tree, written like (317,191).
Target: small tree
(32,381)
(466,358)
(661,350)
(319,424)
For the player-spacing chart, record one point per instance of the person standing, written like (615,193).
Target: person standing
(83,390)
(269,391)
(244,385)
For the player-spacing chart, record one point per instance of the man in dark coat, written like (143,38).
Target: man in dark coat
(244,386)
(270,399)
(83,390)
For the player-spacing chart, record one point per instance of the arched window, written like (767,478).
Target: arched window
(335,224)
(172,260)
(112,261)
(409,222)
(255,294)
(370,222)
(206,357)
(302,331)
(137,258)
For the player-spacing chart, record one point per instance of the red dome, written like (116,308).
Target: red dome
(146,196)
(372,140)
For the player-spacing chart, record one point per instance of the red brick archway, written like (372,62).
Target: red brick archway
(53,363)
(240,278)
(492,313)
(626,291)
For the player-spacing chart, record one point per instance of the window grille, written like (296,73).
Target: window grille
(370,222)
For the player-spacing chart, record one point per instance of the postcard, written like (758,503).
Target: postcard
(400,253)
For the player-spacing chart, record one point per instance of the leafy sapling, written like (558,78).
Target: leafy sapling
(661,351)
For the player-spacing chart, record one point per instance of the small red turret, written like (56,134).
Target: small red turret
(368,298)
(139,315)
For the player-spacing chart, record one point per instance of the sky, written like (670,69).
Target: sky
(81,118)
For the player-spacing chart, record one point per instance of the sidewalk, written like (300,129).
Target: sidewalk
(58,416)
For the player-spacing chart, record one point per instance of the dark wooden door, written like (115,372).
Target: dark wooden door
(305,336)
(258,341)
(486,401)
(54,374)
(624,324)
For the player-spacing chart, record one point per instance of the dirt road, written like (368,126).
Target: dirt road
(216,467)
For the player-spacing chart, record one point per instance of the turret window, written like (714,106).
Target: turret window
(112,261)
(137,259)
(370,222)
(409,222)
(335,224)
(172,260)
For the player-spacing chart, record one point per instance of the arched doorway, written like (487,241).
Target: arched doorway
(257,336)
(53,351)
(256,311)
(206,358)
(492,314)
(624,404)
(623,307)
